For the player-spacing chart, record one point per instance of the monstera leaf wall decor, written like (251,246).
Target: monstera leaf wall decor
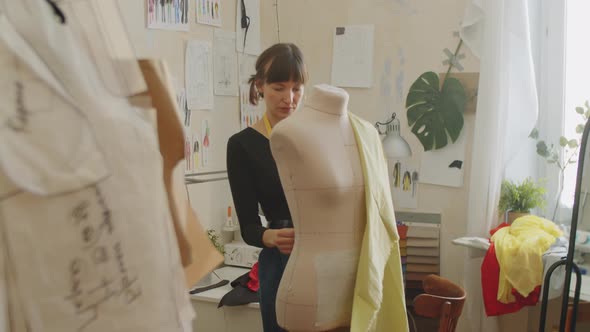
(435,112)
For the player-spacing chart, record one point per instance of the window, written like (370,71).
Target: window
(563,81)
(577,82)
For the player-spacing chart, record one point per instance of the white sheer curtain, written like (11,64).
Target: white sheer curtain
(497,31)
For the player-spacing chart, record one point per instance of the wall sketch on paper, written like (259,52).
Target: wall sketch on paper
(403,179)
(188,163)
(209,12)
(206,142)
(225,63)
(247,67)
(352,59)
(167,14)
(196,150)
(249,113)
(400,77)
(193,150)
(198,76)
(181,103)
(386,86)
(445,167)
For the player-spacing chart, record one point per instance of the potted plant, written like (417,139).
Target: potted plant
(216,240)
(568,148)
(518,199)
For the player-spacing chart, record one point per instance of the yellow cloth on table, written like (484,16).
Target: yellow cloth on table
(379,302)
(519,250)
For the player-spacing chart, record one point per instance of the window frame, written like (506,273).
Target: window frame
(551,79)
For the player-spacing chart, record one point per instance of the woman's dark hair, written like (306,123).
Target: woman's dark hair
(278,63)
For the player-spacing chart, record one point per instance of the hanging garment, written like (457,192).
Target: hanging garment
(86,234)
(379,302)
(519,250)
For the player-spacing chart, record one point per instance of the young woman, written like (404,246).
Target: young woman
(252,172)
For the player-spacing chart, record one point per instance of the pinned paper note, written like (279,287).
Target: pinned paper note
(168,15)
(197,148)
(249,113)
(225,63)
(247,67)
(352,59)
(198,75)
(404,176)
(445,167)
(206,142)
(209,12)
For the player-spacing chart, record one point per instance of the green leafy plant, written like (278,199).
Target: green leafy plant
(566,147)
(212,234)
(521,197)
(435,112)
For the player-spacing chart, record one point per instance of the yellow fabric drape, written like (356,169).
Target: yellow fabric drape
(379,301)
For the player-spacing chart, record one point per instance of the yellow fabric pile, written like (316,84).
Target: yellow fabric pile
(519,250)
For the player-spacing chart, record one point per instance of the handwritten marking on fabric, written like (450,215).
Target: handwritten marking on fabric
(102,253)
(20,120)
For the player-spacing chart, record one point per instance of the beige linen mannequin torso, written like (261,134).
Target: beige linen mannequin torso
(320,170)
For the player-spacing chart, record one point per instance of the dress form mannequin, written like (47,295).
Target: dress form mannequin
(318,161)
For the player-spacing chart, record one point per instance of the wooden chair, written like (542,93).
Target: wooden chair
(442,299)
(583,316)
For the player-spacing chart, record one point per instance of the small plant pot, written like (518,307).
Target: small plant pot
(511,216)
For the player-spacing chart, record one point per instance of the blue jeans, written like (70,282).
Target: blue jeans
(271,264)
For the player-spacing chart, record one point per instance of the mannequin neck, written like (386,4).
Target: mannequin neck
(328,99)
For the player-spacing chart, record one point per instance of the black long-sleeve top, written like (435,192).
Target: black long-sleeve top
(254,179)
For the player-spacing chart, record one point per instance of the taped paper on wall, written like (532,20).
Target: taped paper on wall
(249,113)
(167,15)
(247,67)
(404,177)
(352,57)
(225,64)
(209,12)
(198,76)
(206,143)
(445,167)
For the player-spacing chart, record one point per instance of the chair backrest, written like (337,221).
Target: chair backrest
(583,315)
(442,299)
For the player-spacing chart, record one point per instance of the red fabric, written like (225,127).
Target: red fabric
(253,283)
(490,276)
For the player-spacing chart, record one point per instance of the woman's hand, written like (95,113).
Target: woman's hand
(283,239)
